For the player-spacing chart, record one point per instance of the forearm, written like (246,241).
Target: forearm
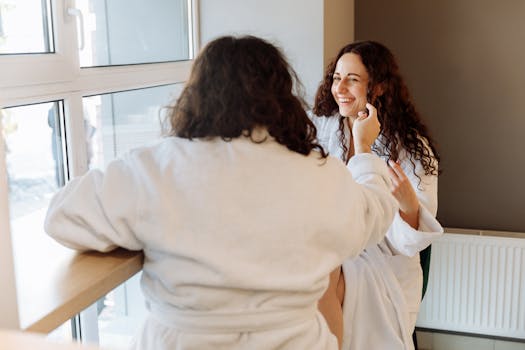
(411,218)
(405,240)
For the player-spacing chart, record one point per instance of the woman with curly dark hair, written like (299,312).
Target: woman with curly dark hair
(382,288)
(238,238)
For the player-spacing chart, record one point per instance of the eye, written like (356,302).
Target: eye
(336,78)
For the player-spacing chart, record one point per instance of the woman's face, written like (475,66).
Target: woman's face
(349,86)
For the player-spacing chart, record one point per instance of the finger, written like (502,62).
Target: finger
(392,173)
(369,109)
(394,178)
(397,168)
(361,116)
(397,194)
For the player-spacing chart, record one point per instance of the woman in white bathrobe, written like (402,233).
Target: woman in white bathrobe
(380,290)
(239,238)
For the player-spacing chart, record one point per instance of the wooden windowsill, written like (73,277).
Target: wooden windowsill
(55,283)
(11,340)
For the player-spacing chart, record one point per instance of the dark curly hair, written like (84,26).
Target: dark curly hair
(401,125)
(237,85)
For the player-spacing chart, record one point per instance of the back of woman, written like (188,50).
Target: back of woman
(238,237)
(235,272)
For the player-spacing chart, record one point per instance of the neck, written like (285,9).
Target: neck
(350,120)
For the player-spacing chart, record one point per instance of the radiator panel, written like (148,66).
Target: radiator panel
(476,285)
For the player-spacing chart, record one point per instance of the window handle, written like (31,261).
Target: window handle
(74,12)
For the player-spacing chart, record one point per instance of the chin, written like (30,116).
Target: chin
(347,114)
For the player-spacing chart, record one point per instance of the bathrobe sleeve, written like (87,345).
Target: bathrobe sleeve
(96,211)
(402,238)
(382,206)
(365,169)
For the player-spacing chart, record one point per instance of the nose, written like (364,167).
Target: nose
(342,86)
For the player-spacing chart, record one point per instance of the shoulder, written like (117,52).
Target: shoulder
(325,125)
(425,152)
(323,120)
(155,154)
(406,156)
(426,144)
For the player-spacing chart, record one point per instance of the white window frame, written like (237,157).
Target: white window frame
(28,69)
(39,78)
(8,301)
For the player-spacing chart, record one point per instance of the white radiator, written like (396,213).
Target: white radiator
(476,285)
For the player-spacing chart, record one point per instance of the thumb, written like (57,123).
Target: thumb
(361,115)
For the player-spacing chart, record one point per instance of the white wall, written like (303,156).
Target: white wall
(296,26)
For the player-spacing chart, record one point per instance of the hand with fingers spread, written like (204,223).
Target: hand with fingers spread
(365,129)
(405,194)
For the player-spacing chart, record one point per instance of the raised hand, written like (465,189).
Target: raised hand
(405,194)
(365,129)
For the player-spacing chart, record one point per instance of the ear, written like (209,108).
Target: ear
(379,90)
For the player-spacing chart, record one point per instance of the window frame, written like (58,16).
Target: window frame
(39,78)
(8,301)
(42,68)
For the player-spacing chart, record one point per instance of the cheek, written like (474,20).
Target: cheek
(333,90)
(359,92)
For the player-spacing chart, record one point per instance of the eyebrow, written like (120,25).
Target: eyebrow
(349,74)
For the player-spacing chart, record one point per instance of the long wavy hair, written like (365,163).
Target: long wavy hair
(401,124)
(237,85)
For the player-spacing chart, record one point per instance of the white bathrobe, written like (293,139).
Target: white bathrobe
(384,283)
(239,237)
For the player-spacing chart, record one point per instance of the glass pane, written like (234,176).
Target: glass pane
(120,121)
(121,32)
(120,315)
(33,136)
(62,333)
(25,27)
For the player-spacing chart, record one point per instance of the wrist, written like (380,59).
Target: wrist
(362,148)
(411,217)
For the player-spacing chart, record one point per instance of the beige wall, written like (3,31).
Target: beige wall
(464,62)
(338,26)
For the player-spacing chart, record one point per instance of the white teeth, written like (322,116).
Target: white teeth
(344,100)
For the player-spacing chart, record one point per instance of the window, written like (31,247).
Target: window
(82,82)
(35,161)
(113,124)
(118,32)
(25,27)
(118,121)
